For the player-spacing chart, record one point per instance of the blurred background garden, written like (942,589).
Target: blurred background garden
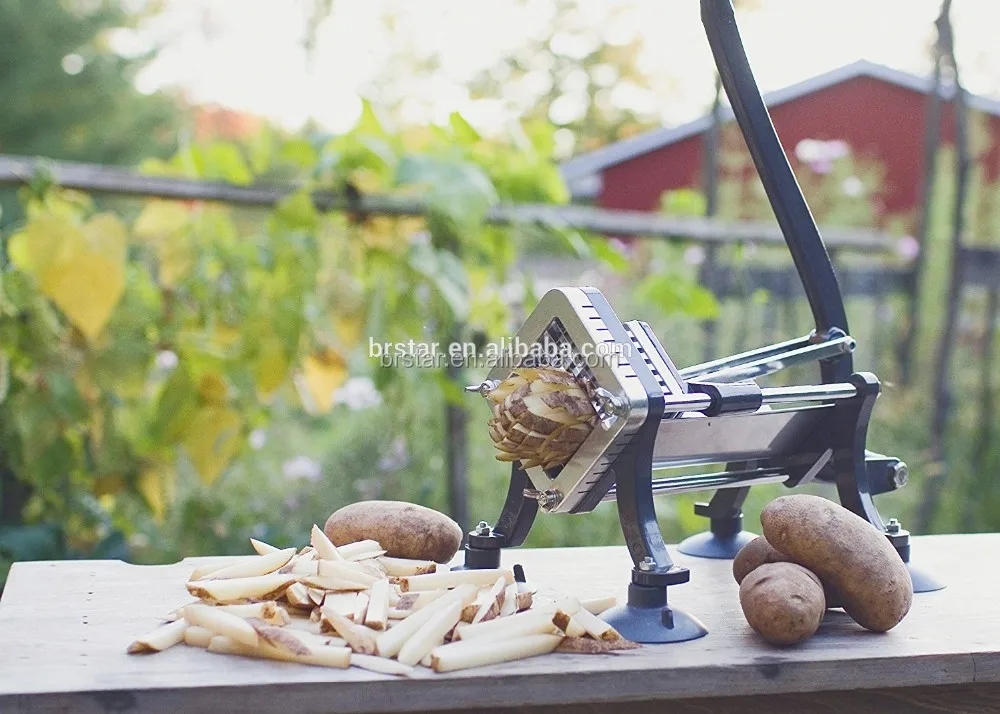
(179,375)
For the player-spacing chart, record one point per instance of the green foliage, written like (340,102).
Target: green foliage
(142,351)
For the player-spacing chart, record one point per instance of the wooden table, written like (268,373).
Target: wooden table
(64,627)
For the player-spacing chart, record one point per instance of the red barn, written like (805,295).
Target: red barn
(878,111)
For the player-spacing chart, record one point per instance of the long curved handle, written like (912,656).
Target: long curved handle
(789,205)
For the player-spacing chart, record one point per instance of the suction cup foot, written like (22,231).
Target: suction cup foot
(713,545)
(923,582)
(654,625)
(647,618)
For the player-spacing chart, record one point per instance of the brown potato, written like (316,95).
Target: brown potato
(846,552)
(759,551)
(753,555)
(783,602)
(405,530)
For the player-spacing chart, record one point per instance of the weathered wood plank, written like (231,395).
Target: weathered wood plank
(64,628)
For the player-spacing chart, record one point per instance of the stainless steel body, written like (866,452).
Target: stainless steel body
(575,328)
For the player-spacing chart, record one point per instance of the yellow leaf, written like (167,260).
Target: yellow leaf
(272,365)
(158,485)
(175,258)
(349,328)
(82,270)
(323,372)
(212,388)
(160,219)
(212,440)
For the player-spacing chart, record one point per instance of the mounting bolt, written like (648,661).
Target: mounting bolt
(483,389)
(647,564)
(547,499)
(483,528)
(893,526)
(900,475)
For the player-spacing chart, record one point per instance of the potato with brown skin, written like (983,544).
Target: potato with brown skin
(405,530)
(759,551)
(846,552)
(783,602)
(753,555)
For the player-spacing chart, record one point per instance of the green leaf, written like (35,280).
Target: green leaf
(673,294)
(683,202)
(606,252)
(176,407)
(295,212)
(368,122)
(462,130)
(298,152)
(224,161)
(446,273)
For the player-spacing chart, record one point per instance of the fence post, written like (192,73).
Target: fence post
(946,341)
(932,141)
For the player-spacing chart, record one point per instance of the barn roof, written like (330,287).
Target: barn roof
(582,174)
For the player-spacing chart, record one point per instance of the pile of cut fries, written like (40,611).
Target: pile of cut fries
(352,605)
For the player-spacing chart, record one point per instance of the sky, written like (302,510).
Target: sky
(248,54)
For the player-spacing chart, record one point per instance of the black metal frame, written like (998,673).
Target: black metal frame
(834,449)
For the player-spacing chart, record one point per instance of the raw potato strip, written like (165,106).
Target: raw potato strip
(431,634)
(301,565)
(269,611)
(161,638)
(359,638)
(279,637)
(377,615)
(452,578)
(323,583)
(221,623)
(262,548)
(297,595)
(596,627)
(322,545)
(401,567)
(509,605)
(339,657)
(234,590)
(218,564)
(360,608)
(349,551)
(524,600)
(381,665)
(316,596)
(256,565)
(494,600)
(531,622)
(586,645)
(344,603)
(418,601)
(391,641)
(476,653)
(197,636)
(597,605)
(345,571)
(574,629)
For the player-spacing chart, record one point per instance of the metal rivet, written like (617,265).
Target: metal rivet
(647,564)
(893,526)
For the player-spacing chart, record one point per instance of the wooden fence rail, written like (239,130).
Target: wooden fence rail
(17,170)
